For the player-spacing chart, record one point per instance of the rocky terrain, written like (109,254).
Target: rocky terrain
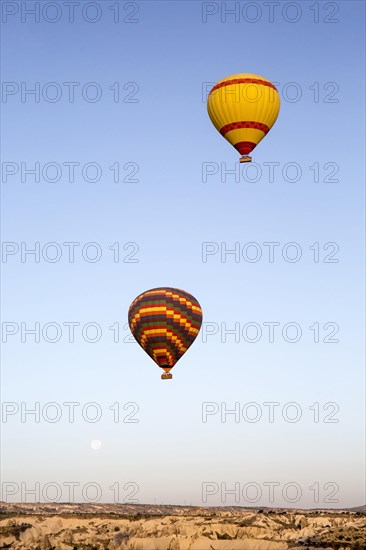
(144,527)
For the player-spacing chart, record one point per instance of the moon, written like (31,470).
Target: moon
(95,444)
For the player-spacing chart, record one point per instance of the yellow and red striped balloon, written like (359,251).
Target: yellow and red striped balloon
(243,108)
(165,322)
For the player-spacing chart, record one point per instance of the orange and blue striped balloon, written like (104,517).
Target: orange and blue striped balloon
(165,322)
(243,108)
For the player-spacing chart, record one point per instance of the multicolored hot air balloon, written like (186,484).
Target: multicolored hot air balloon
(243,108)
(165,322)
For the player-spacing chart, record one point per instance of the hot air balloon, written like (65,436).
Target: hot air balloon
(165,322)
(243,108)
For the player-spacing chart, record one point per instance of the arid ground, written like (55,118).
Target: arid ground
(145,527)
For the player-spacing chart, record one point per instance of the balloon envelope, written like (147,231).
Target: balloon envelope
(165,322)
(243,108)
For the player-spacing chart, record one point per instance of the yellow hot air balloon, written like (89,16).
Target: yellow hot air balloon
(243,108)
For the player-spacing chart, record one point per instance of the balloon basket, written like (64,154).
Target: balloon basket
(245,158)
(166,376)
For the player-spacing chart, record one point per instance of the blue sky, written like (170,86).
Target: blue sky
(159,133)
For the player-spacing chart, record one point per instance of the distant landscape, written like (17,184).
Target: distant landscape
(66,526)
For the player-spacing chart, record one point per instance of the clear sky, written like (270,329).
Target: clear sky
(123,85)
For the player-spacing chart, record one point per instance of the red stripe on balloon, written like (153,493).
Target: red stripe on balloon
(243,81)
(244,124)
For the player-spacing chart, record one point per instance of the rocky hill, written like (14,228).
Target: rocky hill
(144,527)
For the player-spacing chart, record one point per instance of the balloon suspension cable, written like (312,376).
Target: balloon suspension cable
(245,158)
